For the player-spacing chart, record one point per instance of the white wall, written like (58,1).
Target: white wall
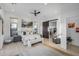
(6,29)
(72,31)
(63,32)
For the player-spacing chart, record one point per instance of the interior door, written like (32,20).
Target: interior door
(45,29)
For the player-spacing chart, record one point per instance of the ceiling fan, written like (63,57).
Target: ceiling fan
(35,12)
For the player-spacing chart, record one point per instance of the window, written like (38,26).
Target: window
(13,27)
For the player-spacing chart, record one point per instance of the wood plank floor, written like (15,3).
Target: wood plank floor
(73,48)
(54,46)
(17,49)
(40,49)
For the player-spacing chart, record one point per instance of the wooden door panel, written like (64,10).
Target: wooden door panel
(45,29)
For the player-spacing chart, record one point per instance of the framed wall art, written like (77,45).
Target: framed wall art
(71,24)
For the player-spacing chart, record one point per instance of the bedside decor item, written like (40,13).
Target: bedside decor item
(24,33)
(71,24)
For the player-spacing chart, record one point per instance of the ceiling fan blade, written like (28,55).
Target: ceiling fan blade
(38,12)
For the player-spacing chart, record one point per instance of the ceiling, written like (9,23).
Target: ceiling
(48,11)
